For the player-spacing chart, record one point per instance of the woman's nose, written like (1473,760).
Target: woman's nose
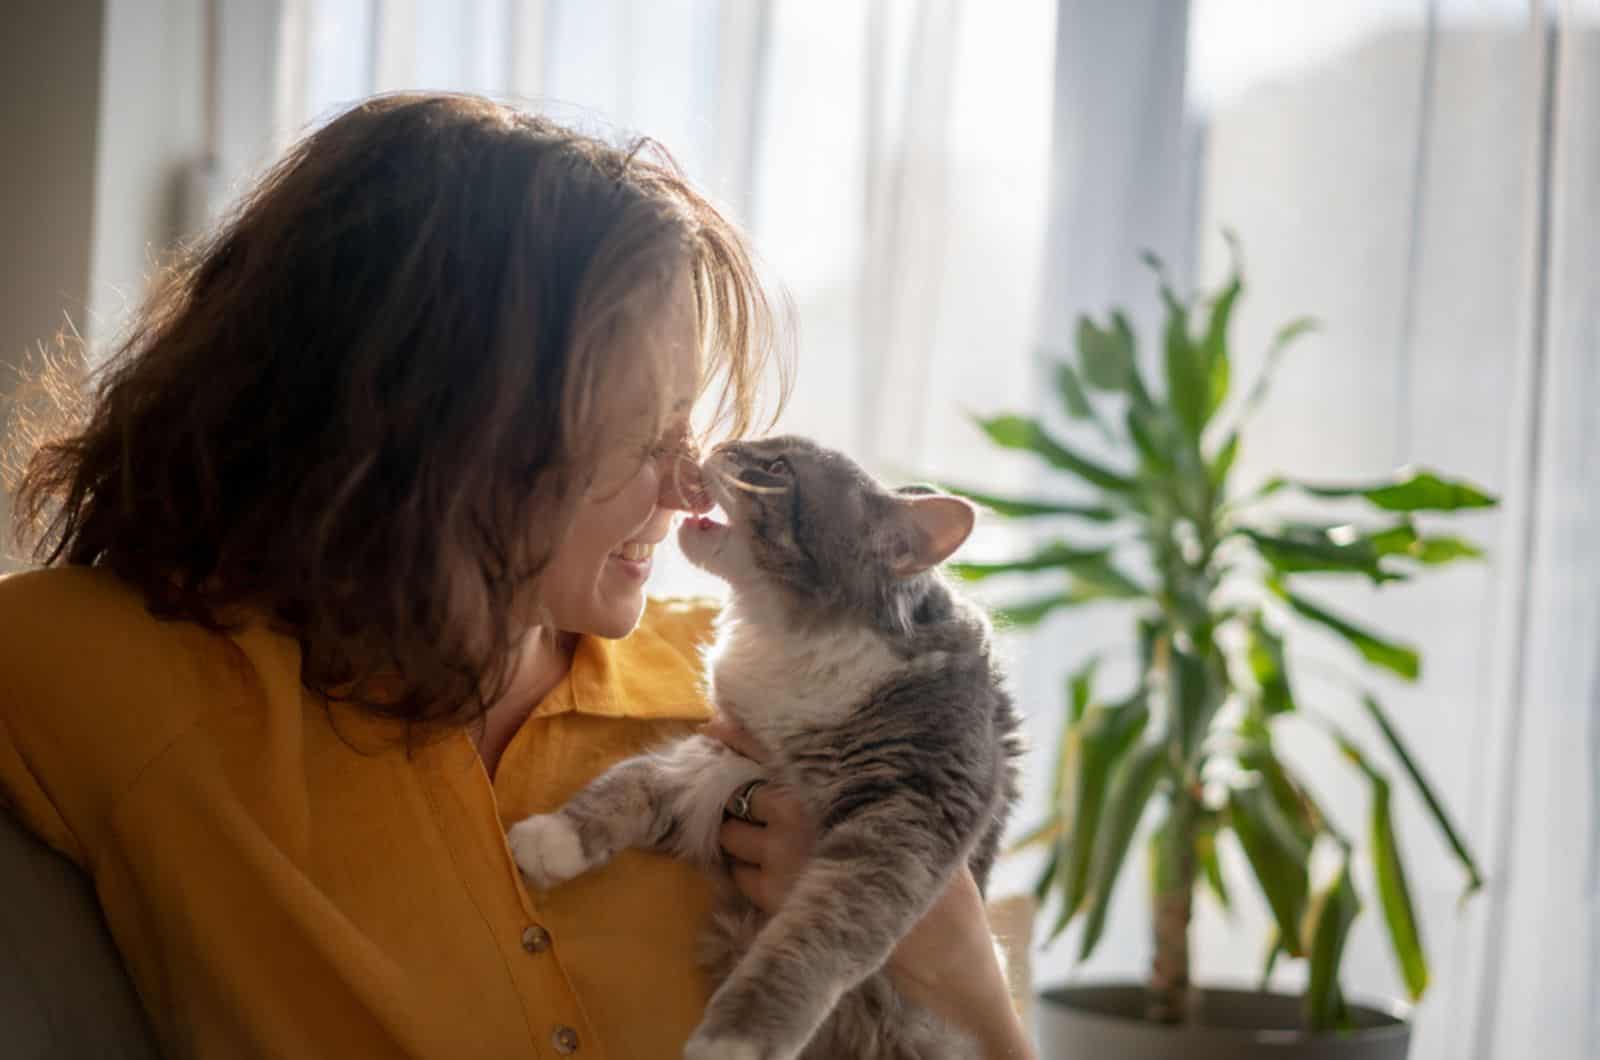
(682,485)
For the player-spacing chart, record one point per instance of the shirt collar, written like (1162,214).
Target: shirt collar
(643,676)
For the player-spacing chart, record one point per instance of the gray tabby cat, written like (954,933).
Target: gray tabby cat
(847,656)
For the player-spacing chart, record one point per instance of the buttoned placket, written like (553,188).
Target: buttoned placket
(558,1024)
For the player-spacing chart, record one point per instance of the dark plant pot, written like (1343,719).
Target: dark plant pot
(1107,1021)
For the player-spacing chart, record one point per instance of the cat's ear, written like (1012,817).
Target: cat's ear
(932,527)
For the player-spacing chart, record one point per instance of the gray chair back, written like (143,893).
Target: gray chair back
(64,992)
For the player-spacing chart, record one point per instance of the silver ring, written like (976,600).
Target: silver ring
(739,805)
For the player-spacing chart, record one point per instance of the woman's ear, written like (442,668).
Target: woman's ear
(932,527)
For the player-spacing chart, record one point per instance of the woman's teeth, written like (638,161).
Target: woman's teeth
(635,552)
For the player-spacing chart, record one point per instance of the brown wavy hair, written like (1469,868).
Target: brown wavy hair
(385,373)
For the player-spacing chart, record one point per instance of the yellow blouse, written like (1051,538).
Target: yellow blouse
(284,880)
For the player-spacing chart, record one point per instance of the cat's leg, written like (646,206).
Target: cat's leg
(863,889)
(625,806)
(670,800)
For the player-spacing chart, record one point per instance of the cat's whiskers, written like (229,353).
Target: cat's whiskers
(740,484)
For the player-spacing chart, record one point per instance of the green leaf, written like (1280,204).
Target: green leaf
(1153,635)
(1153,436)
(1047,876)
(1397,658)
(1205,852)
(1444,549)
(1107,355)
(1094,577)
(1135,782)
(1188,376)
(1274,951)
(1056,556)
(1398,748)
(1222,463)
(1103,579)
(1070,389)
(1214,348)
(1030,613)
(1288,793)
(1196,694)
(1080,689)
(1403,540)
(1266,658)
(1103,740)
(1332,914)
(1278,857)
(1025,508)
(1394,895)
(1124,332)
(1410,491)
(1023,433)
(1301,549)
(1046,831)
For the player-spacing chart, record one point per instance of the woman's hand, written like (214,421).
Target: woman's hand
(767,857)
(946,963)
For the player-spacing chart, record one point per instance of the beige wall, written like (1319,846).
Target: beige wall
(151,139)
(50,73)
(50,76)
(97,162)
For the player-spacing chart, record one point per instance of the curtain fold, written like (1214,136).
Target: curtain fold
(1537,950)
(1423,179)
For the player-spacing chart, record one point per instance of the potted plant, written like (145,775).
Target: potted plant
(1211,579)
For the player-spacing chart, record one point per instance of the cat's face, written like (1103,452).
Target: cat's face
(809,521)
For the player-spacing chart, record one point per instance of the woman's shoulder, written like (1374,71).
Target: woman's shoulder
(84,622)
(85,667)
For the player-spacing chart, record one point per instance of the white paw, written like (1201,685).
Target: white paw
(701,1047)
(547,850)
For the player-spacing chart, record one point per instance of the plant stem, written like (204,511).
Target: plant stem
(1190,584)
(1169,994)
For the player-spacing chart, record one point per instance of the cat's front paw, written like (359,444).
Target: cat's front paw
(704,1047)
(547,850)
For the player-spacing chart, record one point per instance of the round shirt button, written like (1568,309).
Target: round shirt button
(535,939)
(565,1039)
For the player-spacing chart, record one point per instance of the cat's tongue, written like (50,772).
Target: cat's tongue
(710,520)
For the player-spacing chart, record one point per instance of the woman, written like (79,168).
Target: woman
(344,572)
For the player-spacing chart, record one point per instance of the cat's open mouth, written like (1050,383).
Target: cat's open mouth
(714,521)
(703,537)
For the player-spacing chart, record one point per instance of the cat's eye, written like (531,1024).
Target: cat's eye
(779,466)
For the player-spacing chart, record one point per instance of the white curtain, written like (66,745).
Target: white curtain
(1424,177)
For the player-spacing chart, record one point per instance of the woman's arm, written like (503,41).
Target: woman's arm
(947,963)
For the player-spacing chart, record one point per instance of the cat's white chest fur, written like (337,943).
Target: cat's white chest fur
(773,683)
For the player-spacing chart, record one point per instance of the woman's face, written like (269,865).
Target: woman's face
(595,582)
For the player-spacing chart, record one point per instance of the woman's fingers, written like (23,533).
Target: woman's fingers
(762,804)
(746,842)
(768,857)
